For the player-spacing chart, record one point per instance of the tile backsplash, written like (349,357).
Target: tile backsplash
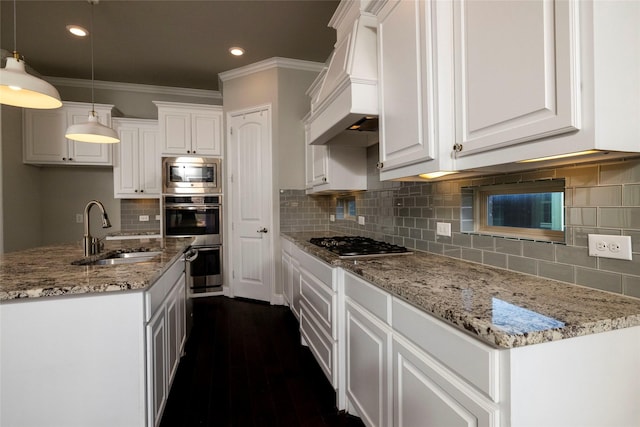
(601,198)
(130,211)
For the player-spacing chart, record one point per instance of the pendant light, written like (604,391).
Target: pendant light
(21,89)
(92,130)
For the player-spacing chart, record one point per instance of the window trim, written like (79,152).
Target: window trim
(480,201)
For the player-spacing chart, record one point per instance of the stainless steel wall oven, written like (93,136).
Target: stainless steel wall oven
(198,216)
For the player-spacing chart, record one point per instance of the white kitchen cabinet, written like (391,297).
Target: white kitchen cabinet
(414,89)
(517,72)
(190,129)
(45,143)
(426,393)
(367,349)
(286,274)
(318,313)
(331,168)
(165,337)
(537,79)
(157,380)
(137,162)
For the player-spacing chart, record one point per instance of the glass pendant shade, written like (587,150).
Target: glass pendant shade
(92,131)
(21,89)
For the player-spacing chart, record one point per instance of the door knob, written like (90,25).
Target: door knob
(263,230)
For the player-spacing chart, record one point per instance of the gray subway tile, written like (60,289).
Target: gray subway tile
(598,196)
(599,279)
(575,256)
(631,286)
(474,255)
(555,271)
(620,217)
(509,246)
(581,216)
(620,173)
(539,250)
(523,265)
(494,259)
(620,265)
(482,242)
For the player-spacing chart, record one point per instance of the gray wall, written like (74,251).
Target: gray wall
(601,198)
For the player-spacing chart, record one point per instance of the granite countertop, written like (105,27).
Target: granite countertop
(48,271)
(502,308)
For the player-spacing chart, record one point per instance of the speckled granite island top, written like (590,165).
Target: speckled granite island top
(47,271)
(502,308)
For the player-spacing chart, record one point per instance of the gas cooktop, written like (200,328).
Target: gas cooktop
(358,247)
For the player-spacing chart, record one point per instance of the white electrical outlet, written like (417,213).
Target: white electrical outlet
(605,246)
(332,218)
(79,219)
(361,220)
(157,217)
(143,218)
(443,229)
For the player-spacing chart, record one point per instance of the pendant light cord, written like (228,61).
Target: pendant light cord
(92,36)
(15,31)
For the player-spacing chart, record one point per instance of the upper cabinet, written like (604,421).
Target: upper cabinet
(190,128)
(137,162)
(334,168)
(45,143)
(489,85)
(517,72)
(415,83)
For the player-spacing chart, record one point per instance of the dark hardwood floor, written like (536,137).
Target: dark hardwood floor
(244,366)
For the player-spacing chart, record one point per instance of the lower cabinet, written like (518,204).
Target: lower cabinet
(393,379)
(166,334)
(291,276)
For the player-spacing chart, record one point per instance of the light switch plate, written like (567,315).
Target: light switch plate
(332,218)
(606,246)
(361,220)
(443,229)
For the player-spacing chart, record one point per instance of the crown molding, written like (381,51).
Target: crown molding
(275,62)
(135,87)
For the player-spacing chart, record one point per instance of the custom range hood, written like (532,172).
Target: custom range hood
(344,96)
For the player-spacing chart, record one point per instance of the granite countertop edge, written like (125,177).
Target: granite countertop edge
(448,288)
(48,271)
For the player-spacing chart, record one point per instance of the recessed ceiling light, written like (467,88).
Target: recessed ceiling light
(236,51)
(77,30)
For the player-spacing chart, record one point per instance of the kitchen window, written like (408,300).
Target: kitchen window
(532,210)
(346,208)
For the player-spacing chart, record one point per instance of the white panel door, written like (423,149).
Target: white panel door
(251,206)
(516,71)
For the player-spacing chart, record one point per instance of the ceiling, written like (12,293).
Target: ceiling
(165,43)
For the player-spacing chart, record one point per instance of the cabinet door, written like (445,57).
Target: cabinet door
(150,162)
(157,380)
(516,71)
(44,139)
(426,394)
(175,132)
(85,152)
(406,79)
(125,164)
(295,286)
(367,347)
(173,333)
(206,133)
(317,165)
(287,279)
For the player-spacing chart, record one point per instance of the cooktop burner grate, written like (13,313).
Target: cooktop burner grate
(354,246)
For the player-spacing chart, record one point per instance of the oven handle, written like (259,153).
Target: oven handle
(192,208)
(191,255)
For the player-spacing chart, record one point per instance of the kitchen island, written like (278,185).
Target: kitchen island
(89,345)
(434,340)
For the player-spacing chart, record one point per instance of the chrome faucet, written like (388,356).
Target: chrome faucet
(92,244)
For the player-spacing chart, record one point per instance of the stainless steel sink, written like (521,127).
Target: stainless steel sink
(126,258)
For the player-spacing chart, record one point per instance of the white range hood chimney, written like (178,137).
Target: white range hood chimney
(346,91)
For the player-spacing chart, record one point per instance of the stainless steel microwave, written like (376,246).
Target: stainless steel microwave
(191,175)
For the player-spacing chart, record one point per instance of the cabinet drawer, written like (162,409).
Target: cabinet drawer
(321,344)
(475,362)
(320,300)
(323,271)
(373,299)
(160,289)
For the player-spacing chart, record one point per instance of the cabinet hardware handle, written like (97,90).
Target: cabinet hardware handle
(135,191)
(379,165)
(70,159)
(324,179)
(64,159)
(142,191)
(457,148)
(188,151)
(194,151)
